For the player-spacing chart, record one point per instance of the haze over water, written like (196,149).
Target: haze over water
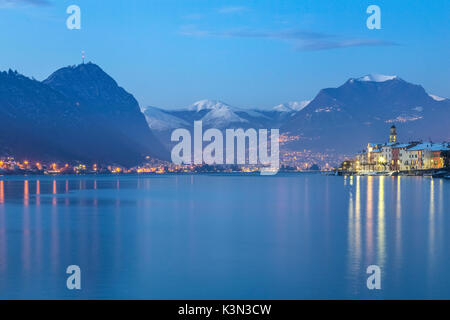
(289,236)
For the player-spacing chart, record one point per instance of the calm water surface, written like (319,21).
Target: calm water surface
(290,236)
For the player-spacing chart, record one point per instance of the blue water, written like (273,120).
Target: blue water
(293,236)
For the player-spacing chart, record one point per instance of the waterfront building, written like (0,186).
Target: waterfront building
(398,151)
(393,134)
(426,155)
(412,158)
(395,156)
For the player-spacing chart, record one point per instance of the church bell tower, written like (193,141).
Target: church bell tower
(393,134)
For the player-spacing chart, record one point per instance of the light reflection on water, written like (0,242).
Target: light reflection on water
(431,225)
(188,237)
(380,223)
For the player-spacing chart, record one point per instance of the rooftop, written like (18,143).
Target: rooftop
(430,146)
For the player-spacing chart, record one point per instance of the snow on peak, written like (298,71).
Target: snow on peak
(376,78)
(158,119)
(291,106)
(437,98)
(220,116)
(208,105)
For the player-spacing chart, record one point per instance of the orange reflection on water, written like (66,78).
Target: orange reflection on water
(399,197)
(26,193)
(54,191)
(26,234)
(38,192)
(431,223)
(380,222)
(95,199)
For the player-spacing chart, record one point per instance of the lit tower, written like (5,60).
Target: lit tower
(82,56)
(393,134)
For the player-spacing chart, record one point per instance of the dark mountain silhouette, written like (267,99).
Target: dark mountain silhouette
(346,118)
(78,113)
(35,120)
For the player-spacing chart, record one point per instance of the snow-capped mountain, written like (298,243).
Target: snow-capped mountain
(437,98)
(291,106)
(360,110)
(375,78)
(228,111)
(208,105)
(81,113)
(161,120)
(341,119)
(221,116)
(213,113)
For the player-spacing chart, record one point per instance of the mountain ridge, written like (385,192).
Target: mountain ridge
(77,113)
(344,118)
(81,113)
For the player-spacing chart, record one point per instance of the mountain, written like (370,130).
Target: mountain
(218,114)
(36,121)
(77,113)
(437,98)
(162,120)
(208,105)
(375,78)
(337,121)
(212,113)
(361,110)
(292,106)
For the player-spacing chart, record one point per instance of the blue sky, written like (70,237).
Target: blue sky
(247,53)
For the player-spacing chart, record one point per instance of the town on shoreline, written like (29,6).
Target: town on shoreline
(415,158)
(10,166)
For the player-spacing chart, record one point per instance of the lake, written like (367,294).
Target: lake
(289,236)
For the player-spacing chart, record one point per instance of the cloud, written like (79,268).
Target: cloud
(248,33)
(230,10)
(343,43)
(302,39)
(23,3)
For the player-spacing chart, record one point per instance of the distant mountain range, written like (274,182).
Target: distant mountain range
(338,120)
(80,113)
(361,111)
(77,113)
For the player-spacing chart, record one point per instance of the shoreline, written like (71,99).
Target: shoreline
(435,173)
(438,174)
